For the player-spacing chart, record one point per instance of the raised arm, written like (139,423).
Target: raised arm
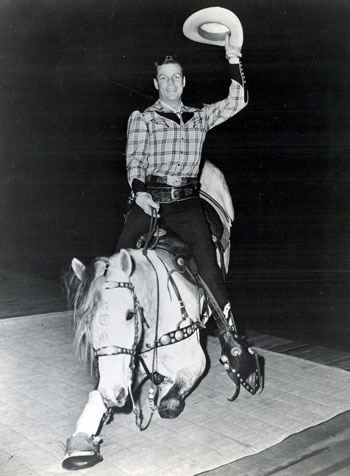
(237,97)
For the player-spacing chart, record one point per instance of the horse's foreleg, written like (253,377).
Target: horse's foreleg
(82,450)
(172,404)
(90,418)
(173,401)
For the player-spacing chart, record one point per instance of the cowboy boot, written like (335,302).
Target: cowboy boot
(239,360)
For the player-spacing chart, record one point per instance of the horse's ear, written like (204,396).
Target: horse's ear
(78,268)
(125,261)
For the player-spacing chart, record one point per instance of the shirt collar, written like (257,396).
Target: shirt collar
(161,107)
(169,108)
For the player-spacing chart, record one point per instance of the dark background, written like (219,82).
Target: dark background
(72,72)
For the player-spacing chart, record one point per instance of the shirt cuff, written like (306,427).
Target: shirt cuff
(235,73)
(138,186)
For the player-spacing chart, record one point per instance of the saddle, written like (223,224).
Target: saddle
(169,241)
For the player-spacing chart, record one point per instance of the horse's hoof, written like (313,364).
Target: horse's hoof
(82,451)
(171,406)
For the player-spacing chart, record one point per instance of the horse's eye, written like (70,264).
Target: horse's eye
(129,315)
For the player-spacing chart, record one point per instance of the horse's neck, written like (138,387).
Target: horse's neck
(145,279)
(156,294)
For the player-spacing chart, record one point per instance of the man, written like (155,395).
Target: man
(163,158)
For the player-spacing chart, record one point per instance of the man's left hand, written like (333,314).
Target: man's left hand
(232,52)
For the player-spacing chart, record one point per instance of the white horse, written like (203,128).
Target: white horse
(139,317)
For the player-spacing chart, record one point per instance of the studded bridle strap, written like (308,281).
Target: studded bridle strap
(112,350)
(115,349)
(119,284)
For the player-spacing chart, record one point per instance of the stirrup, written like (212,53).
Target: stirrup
(241,362)
(82,451)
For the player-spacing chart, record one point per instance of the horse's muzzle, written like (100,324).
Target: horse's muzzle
(117,400)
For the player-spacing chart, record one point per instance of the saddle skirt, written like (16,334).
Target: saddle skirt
(219,211)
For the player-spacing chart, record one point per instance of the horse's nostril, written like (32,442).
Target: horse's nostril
(120,399)
(108,402)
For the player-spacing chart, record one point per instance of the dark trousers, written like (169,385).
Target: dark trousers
(187,220)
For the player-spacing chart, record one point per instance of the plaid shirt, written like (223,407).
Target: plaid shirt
(163,143)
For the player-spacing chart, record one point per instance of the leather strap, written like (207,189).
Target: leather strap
(172,194)
(171,180)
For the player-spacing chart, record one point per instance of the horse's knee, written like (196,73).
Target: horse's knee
(172,404)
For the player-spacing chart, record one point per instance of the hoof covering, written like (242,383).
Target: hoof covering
(82,451)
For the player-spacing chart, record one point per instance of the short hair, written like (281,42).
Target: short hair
(167,60)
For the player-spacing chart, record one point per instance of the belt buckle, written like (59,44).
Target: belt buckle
(175,181)
(175,193)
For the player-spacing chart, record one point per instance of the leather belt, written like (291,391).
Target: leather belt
(166,194)
(170,180)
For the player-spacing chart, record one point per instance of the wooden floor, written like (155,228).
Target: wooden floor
(319,451)
(24,295)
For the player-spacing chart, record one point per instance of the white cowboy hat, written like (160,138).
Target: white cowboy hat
(211,25)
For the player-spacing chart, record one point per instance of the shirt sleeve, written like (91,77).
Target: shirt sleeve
(216,113)
(137,148)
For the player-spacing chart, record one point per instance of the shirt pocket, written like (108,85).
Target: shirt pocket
(197,123)
(158,125)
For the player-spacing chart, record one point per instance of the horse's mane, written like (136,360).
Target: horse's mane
(84,297)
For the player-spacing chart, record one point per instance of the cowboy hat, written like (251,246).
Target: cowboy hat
(211,25)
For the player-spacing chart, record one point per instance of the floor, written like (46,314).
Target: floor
(25,294)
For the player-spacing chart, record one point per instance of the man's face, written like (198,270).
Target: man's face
(169,82)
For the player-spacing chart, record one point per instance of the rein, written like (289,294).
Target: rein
(153,230)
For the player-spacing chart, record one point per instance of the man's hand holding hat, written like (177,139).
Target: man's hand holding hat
(233,53)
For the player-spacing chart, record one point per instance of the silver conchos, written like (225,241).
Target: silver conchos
(104,319)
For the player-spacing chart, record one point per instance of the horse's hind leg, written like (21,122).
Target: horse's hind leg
(82,450)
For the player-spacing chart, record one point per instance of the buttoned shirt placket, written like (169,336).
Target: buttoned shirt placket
(182,125)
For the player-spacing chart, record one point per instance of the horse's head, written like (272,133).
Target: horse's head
(111,323)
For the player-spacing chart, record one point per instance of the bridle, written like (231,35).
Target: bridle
(107,351)
(169,338)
